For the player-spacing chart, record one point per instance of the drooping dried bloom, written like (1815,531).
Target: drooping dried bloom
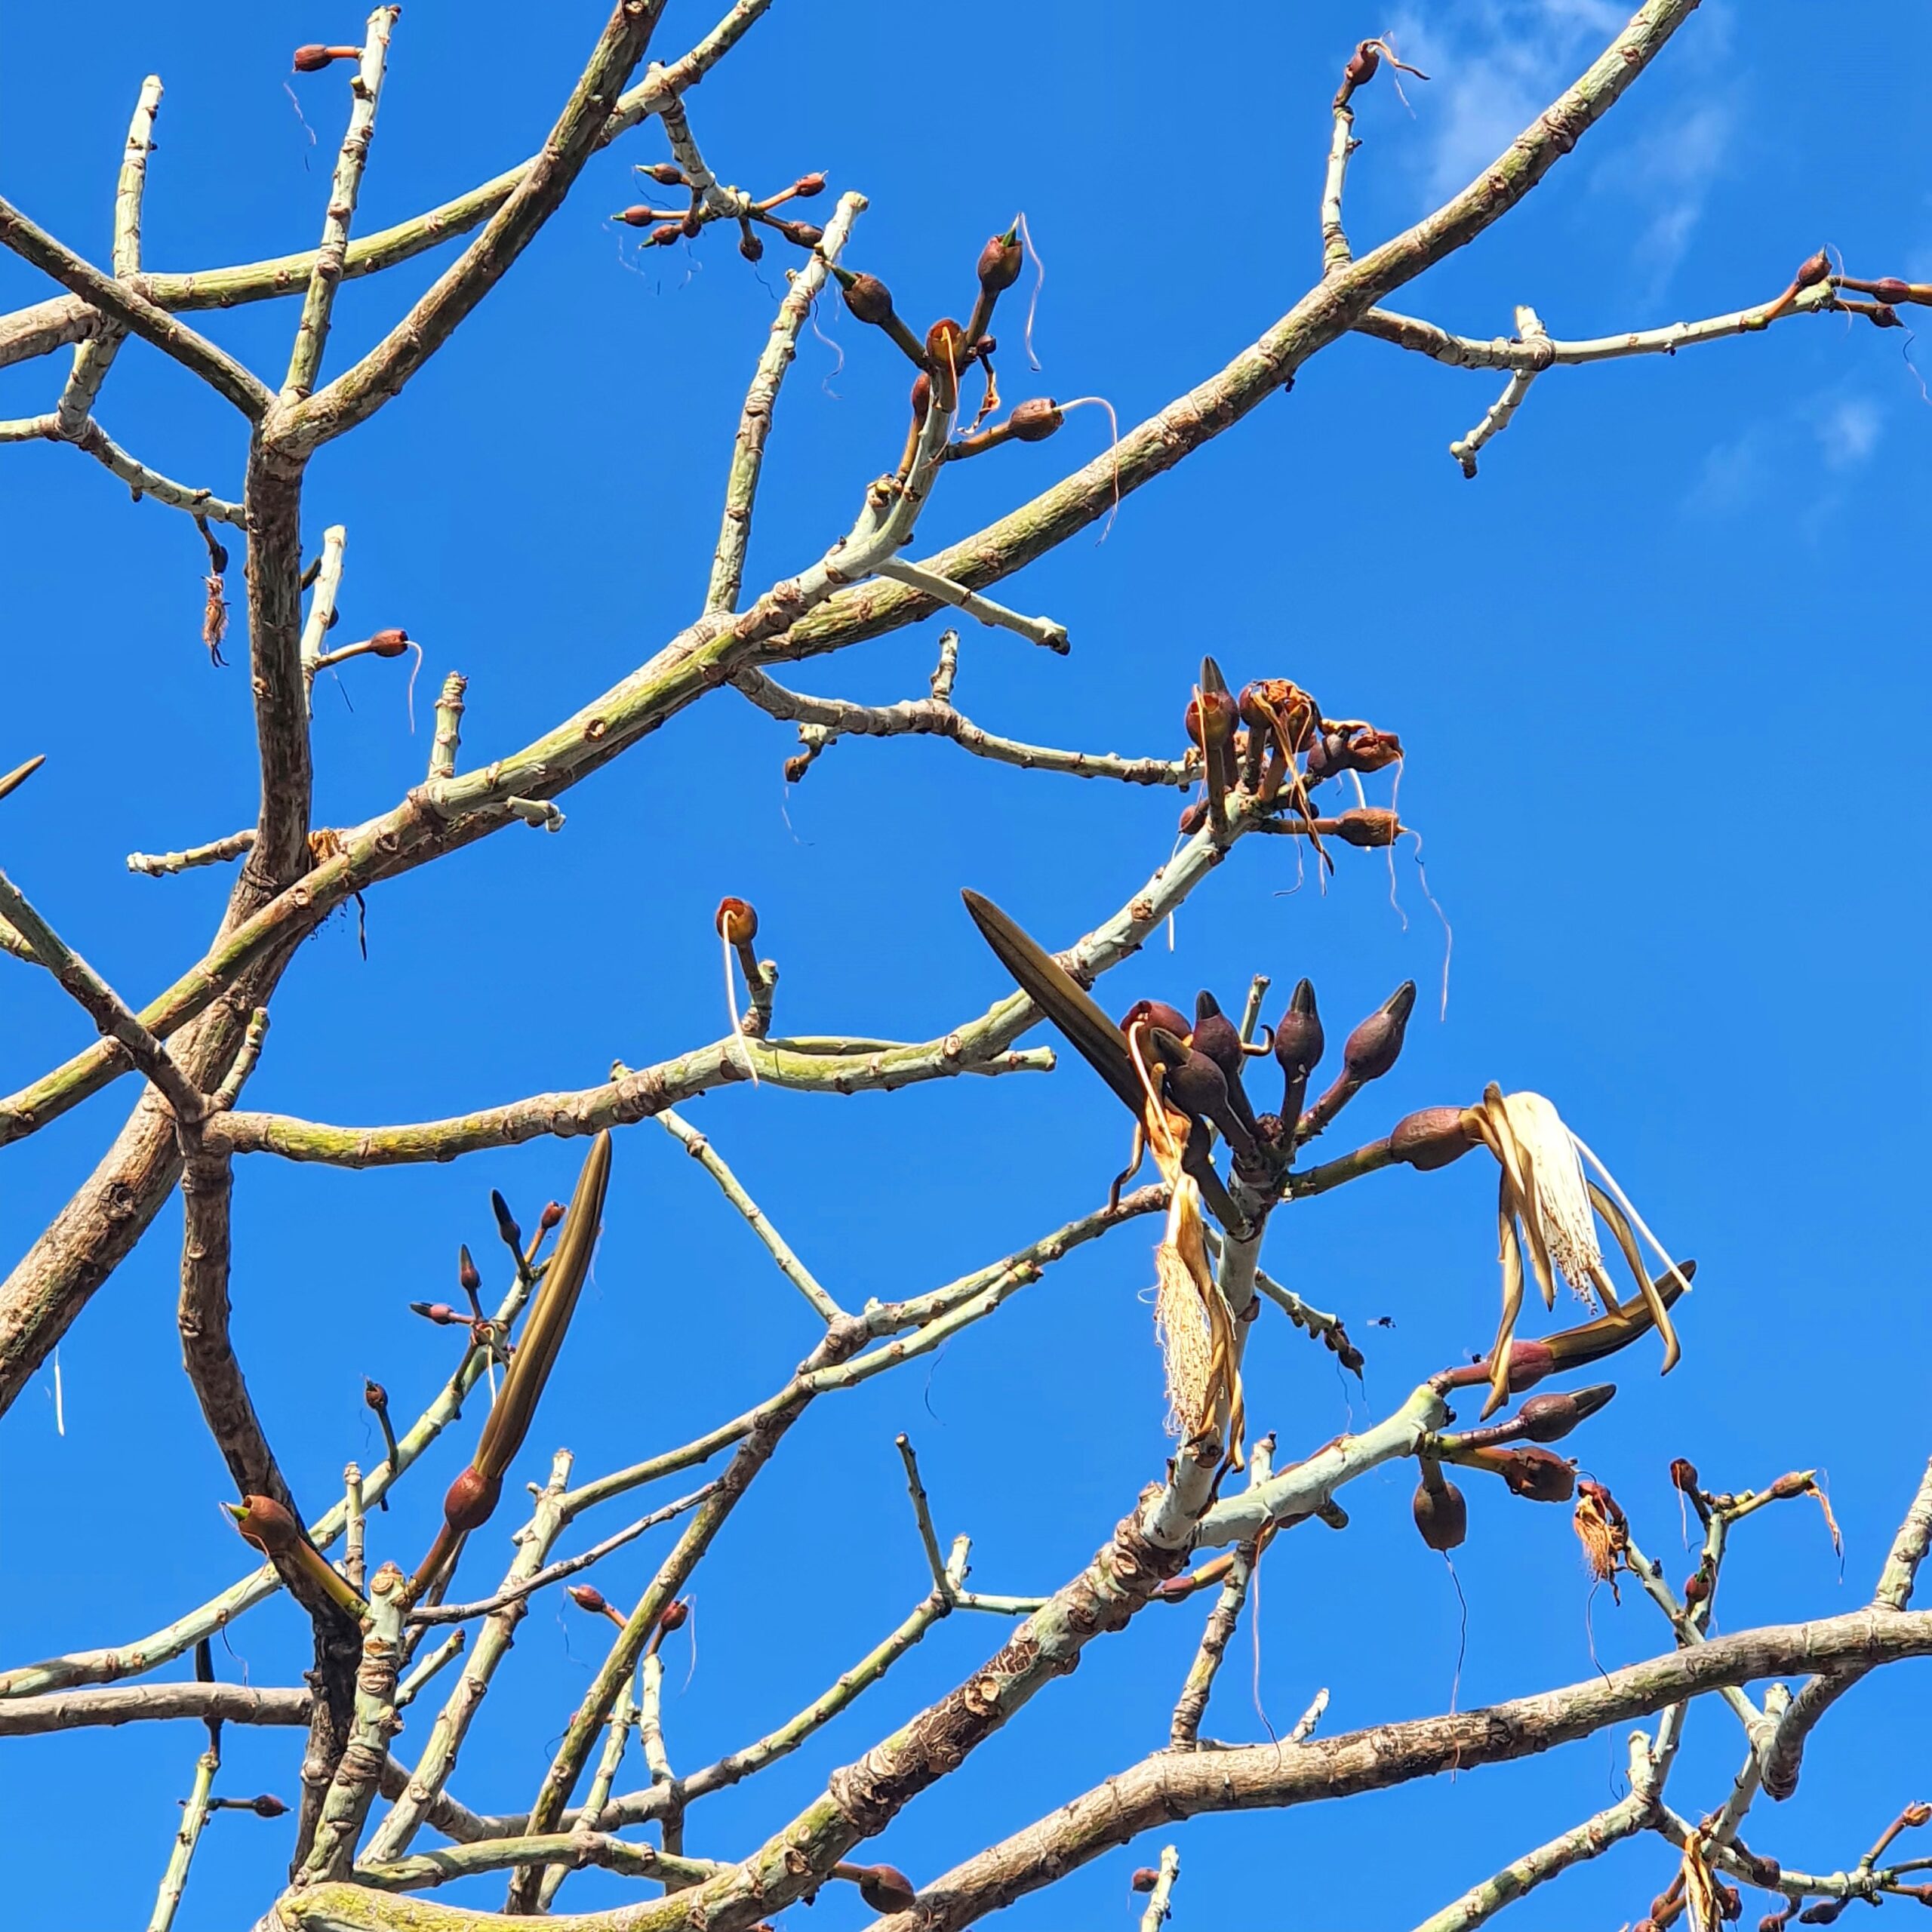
(1559,1196)
(1602,1531)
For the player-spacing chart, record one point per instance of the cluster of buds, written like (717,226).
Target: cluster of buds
(1272,745)
(669,225)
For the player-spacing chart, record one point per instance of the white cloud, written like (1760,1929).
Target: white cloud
(1848,430)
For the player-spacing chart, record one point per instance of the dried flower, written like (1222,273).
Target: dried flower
(1603,1530)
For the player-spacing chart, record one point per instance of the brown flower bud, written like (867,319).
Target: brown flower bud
(1538,1475)
(868,298)
(466,1271)
(945,345)
(1192,818)
(470,1499)
(887,1889)
(1696,1588)
(390,643)
(809,185)
(506,1225)
(312,59)
(553,1212)
(1822,1913)
(268,1806)
(1222,719)
(1730,1901)
(266,1523)
(1795,1484)
(1550,1418)
(692,226)
(374,1393)
(664,235)
(587,1597)
(1529,1363)
(801,234)
(1442,1516)
(1430,1138)
(1683,1475)
(1368,827)
(1813,269)
(921,397)
(675,1615)
(665,174)
(1374,1046)
(1000,263)
(1145,1879)
(1298,1040)
(1154,1013)
(637,216)
(750,247)
(1034,420)
(440,1312)
(736,922)
(1889,289)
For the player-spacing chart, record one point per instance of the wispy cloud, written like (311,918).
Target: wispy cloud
(1847,430)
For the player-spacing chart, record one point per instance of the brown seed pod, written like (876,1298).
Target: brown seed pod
(374,1393)
(1441,1514)
(467,1273)
(440,1312)
(268,1806)
(587,1597)
(1549,1418)
(801,234)
(267,1524)
(736,922)
(470,1500)
(1192,818)
(750,247)
(1154,1013)
(312,59)
(1368,827)
(1538,1475)
(1145,1879)
(921,398)
(1222,719)
(1683,1475)
(1374,1046)
(553,1212)
(1034,420)
(809,185)
(637,216)
(868,298)
(1696,1588)
(887,1889)
(1000,263)
(663,235)
(665,174)
(1813,269)
(1431,1137)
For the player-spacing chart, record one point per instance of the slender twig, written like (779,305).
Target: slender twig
(1530,331)
(1042,631)
(1184,1731)
(322,606)
(312,333)
(194,1816)
(425,1667)
(699,1147)
(158,865)
(1159,1907)
(566,1851)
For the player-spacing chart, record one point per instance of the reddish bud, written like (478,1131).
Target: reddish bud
(921,396)
(1298,1039)
(1550,1418)
(466,1271)
(553,1212)
(1373,1047)
(809,185)
(1787,1487)
(666,233)
(804,234)
(1222,716)
(312,59)
(1368,827)
(1145,1879)
(737,922)
(636,216)
(1537,1475)
(1730,1902)
(868,298)
(665,174)
(1154,1013)
(268,1806)
(440,1312)
(1431,1138)
(470,1500)
(1683,1475)
(1192,818)
(374,1393)
(1696,1588)
(1034,420)
(675,1614)
(945,345)
(886,1889)
(1813,269)
(1442,1516)
(266,1523)
(1822,1913)
(1000,263)
(750,247)
(587,1597)
(692,226)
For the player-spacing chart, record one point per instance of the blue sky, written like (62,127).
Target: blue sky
(1655,670)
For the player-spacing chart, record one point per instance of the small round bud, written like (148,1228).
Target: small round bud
(737,922)
(1145,1879)
(1034,420)
(1813,269)
(666,233)
(868,298)
(587,1597)
(808,185)
(886,1889)
(665,174)
(1000,263)
(268,1806)
(553,1212)
(945,345)
(675,1614)
(1374,1046)
(374,1393)
(266,1523)
(1441,1514)
(1152,1013)
(312,60)
(470,1500)
(1683,1475)
(1367,827)
(467,1272)
(1430,1138)
(750,247)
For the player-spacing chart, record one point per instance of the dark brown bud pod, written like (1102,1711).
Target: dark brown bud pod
(809,185)
(736,922)
(1537,1474)
(1529,1363)
(467,1272)
(374,1393)
(470,1499)
(1441,1514)
(801,234)
(692,226)
(1192,818)
(868,298)
(1696,1588)
(1373,1047)
(886,1889)
(1813,269)
(266,1523)
(1154,1012)
(1217,1036)
(1223,716)
(1431,1138)
(1298,1042)
(1194,1084)
(312,59)
(587,1597)
(1883,316)
(921,397)
(1888,288)
(1362,68)
(1145,1879)
(667,174)
(1823,1913)
(1795,1484)
(1000,263)
(750,247)
(1550,1418)
(636,216)
(1730,1901)
(268,1806)
(1034,420)
(675,1615)
(666,233)
(553,1212)
(440,1312)
(1368,827)
(1683,1476)
(506,1225)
